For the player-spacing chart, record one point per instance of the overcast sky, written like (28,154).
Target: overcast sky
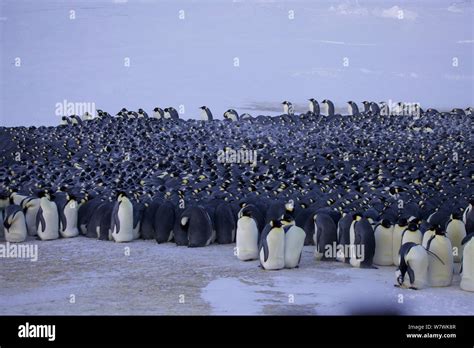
(242,54)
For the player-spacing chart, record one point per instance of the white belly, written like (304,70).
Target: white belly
(125,216)
(467,277)
(418,260)
(276,251)
(456,232)
(31,213)
(247,239)
(294,242)
(51,218)
(17,231)
(439,274)
(70,211)
(383,246)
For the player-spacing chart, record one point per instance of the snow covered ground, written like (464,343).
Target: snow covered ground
(150,279)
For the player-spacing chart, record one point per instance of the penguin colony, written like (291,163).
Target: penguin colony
(365,188)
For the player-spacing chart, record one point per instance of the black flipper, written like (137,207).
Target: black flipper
(40,220)
(265,249)
(115,219)
(411,274)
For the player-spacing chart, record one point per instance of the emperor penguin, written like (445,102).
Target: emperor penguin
(343,237)
(47,219)
(366,106)
(164,220)
(158,113)
(325,237)
(171,114)
(412,234)
(231,115)
(288,108)
(206,114)
(352,108)
(328,107)
(68,211)
(31,206)
(383,243)
(142,113)
(138,211)
(225,223)
(314,107)
(362,243)
(467,272)
(456,231)
(197,222)
(468,217)
(272,246)
(441,264)
(294,241)
(374,108)
(430,232)
(247,235)
(398,229)
(14,224)
(121,225)
(414,262)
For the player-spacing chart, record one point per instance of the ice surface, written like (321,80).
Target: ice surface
(155,279)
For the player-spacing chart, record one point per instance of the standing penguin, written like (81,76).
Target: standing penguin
(247,235)
(158,113)
(412,234)
(164,221)
(328,107)
(383,243)
(31,206)
(294,243)
(456,231)
(68,211)
(121,225)
(14,223)
(272,246)
(352,108)
(430,232)
(225,224)
(147,230)
(398,229)
(414,262)
(287,108)
(47,219)
(362,243)
(343,237)
(441,264)
(325,237)
(206,114)
(199,226)
(314,107)
(467,273)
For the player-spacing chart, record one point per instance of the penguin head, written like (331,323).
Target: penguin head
(386,223)
(287,219)
(439,231)
(357,217)
(412,226)
(275,224)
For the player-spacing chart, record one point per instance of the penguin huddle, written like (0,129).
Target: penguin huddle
(365,188)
